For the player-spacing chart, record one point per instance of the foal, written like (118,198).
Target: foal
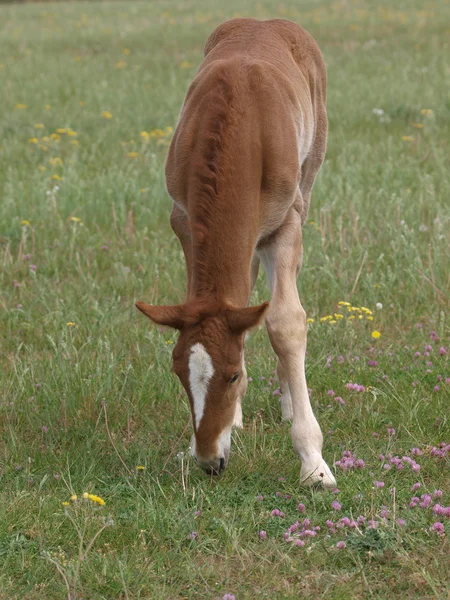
(250,140)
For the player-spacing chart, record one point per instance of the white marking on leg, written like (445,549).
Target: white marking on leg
(200,372)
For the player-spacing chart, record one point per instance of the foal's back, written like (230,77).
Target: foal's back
(254,102)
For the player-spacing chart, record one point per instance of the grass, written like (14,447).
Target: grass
(83,405)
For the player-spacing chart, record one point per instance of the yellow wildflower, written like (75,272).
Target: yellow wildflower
(370,318)
(376,334)
(140,467)
(65,503)
(33,141)
(407,138)
(158,133)
(106,114)
(126,51)
(169,130)
(351,317)
(71,324)
(343,303)
(55,136)
(42,168)
(121,64)
(96,499)
(310,320)
(71,133)
(338,316)
(327,318)
(61,130)
(133,154)
(47,107)
(426,111)
(74,497)
(85,495)
(332,321)
(56,178)
(55,161)
(75,219)
(145,135)
(143,190)
(39,126)
(366,310)
(354,309)
(25,223)
(21,106)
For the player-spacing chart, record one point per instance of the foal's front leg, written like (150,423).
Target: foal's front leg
(286,324)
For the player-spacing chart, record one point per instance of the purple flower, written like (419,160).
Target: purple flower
(443,350)
(379,484)
(278,494)
(436,388)
(33,267)
(299,543)
(262,534)
(192,536)
(335,505)
(197,513)
(301,507)
(401,522)
(426,501)
(229,597)
(38,386)
(44,429)
(391,431)
(340,400)
(260,498)
(443,511)
(437,493)
(277,392)
(250,379)
(331,393)
(438,528)
(415,487)
(341,545)
(104,247)
(372,363)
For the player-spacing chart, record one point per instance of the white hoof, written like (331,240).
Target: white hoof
(317,471)
(287,413)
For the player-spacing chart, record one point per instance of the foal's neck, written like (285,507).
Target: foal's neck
(222,255)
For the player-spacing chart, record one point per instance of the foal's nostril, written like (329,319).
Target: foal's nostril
(209,470)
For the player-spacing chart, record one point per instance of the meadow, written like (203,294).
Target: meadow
(90,93)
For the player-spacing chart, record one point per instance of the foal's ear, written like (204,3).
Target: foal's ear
(169,316)
(241,319)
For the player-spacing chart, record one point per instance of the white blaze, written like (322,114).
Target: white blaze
(200,372)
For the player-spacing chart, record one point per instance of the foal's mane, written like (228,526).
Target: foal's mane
(205,193)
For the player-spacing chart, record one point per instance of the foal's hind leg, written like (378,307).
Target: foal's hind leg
(286,324)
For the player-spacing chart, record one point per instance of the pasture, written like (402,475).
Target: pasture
(90,93)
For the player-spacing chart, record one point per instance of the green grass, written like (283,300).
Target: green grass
(379,231)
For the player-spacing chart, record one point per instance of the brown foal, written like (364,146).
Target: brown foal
(250,140)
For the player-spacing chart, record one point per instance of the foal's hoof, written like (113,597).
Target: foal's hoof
(317,475)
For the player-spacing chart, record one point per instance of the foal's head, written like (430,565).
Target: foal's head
(208,359)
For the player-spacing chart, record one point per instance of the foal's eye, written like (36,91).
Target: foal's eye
(235,376)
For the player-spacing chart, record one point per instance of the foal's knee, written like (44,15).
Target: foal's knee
(287,329)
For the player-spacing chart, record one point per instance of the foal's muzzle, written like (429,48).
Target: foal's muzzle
(215,468)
